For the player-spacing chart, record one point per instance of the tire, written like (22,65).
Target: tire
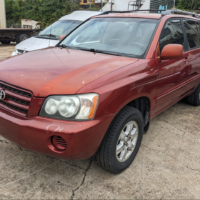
(194,98)
(21,38)
(5,41)
(107,156)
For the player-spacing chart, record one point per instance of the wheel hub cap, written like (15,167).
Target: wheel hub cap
(127,141)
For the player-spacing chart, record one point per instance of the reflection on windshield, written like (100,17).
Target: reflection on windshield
(118,36)
(62,27)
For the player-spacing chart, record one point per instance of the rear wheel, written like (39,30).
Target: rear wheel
(122,141)
(194,98)
(5,41)
(21,38)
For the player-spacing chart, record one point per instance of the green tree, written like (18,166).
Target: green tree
(188,4)
(44,11)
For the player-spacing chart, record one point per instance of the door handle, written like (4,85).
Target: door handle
(185,60)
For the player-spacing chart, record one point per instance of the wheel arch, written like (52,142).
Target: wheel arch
(143,104)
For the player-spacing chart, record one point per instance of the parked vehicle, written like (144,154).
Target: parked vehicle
(17,35)
(51,35)
(95,94)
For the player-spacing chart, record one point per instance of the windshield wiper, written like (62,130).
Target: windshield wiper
(97,51)
(91,50)
(65,46)
(101,51)
(113,53)
(49,35)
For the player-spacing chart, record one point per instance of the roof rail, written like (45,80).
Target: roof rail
(130,11)
(164,12)
(169,12)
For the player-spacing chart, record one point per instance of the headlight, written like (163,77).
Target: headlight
(76,107)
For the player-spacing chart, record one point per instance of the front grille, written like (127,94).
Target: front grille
(13,107)
(26,103)
(17,100)
(17,91)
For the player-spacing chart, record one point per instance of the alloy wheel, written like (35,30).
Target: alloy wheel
(127,141)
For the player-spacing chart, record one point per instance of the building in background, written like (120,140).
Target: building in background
(2,14)
(30,24)
(87,3)
(125,5)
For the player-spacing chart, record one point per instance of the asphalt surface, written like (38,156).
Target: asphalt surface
(166,167)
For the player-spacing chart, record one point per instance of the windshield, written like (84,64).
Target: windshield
(118,36)
(62,27)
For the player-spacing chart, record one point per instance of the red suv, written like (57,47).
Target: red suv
(96,92)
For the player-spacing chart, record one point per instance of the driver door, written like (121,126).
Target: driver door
(172,33)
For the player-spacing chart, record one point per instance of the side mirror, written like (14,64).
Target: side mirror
(61,37)
(172,51)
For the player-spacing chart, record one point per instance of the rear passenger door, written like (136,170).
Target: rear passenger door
(168,70)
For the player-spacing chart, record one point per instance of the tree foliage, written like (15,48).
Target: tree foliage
(48,11)
(44,11)
(188,4)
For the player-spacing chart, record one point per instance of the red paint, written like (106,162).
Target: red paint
(117,80)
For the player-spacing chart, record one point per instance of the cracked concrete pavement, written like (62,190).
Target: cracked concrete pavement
(167,165)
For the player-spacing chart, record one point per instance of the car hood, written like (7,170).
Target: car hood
(34,43)
(54,71)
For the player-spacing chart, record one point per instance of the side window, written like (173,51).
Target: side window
(198,26)
(172,33)
(192,33)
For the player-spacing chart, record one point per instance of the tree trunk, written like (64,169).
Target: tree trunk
(192,4)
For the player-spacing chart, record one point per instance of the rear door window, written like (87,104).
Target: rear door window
(192,32)
(172,33)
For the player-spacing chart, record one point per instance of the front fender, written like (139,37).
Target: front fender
(122,86)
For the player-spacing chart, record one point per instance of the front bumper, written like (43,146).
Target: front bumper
(83,138)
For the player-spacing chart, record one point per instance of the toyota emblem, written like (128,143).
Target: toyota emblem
(2,95)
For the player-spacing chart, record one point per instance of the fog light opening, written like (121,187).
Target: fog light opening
(59,143)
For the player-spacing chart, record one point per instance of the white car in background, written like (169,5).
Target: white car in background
(51,35)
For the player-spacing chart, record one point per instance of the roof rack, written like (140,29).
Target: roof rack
(169,12)
(130,11)
(164,12)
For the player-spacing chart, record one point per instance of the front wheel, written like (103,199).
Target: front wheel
(122,141)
